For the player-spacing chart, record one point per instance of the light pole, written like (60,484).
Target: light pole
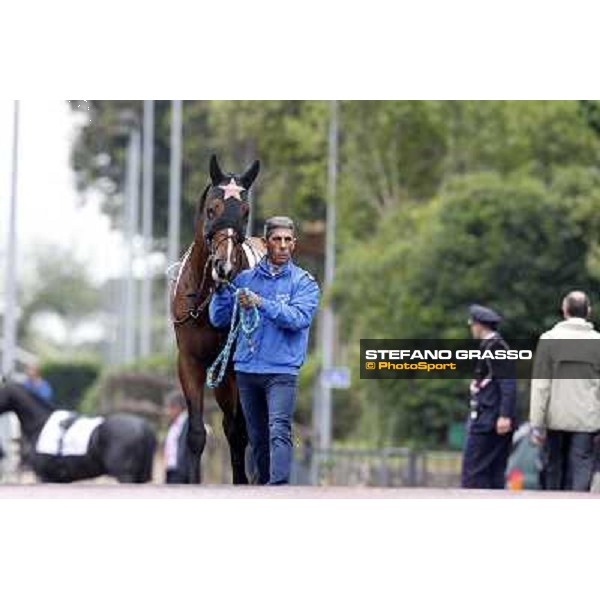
(131,226)
(10,296)
(9,324)
(322,407)
(175,181)
(174,199)
(147,216)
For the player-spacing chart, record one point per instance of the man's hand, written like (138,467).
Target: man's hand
(503,425)
(249,299)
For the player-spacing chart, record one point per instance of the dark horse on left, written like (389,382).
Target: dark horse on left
(220,250)
(121,446)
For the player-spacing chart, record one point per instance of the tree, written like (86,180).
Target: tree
(60,286)
(515,244)
(435,200)
(591,113)
(288,137)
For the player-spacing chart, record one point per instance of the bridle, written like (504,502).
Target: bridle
(196,309)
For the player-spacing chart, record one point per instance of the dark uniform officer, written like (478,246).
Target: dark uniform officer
(492,403)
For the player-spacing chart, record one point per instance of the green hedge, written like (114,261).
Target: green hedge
(138,387)
(70,379)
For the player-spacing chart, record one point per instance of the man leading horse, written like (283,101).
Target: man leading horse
(267,361)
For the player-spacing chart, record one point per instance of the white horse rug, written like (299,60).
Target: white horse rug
(66,433)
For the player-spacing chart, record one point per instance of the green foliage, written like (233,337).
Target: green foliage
(590,110)
(439,204)
(139,386)
(61,285)
(70,380)
(288,137)
(513,243)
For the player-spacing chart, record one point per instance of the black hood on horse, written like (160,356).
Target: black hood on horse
(231,193)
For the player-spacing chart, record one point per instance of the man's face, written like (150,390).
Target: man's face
(280,245)
(476,329)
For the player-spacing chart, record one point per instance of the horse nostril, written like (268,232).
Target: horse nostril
(223,269)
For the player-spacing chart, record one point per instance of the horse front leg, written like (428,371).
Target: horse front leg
(234,426)
(192,375)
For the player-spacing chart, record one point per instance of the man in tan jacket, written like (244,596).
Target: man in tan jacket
(565,396)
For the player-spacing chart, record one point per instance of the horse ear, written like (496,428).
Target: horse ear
(249,176)
(216,175)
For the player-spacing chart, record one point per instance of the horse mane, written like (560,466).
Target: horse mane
(200,205)
(33,396)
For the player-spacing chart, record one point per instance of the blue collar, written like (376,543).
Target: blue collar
(265,266)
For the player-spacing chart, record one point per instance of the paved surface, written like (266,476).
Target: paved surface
(229,492)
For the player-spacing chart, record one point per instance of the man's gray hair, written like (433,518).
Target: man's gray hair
(277,223)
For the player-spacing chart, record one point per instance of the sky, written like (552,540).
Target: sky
(49,209)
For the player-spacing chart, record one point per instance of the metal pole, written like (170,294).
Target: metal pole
(147,217)
(174,202)
(8,430)
(175,181)
(10,296)
(131,227)
(328,330)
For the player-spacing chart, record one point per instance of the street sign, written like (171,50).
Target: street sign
(336,378)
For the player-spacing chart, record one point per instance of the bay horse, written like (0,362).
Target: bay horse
(219,251)
(120,445)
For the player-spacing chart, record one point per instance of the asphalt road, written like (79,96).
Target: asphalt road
(229,492)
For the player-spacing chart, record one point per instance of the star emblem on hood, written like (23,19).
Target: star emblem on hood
(232,190)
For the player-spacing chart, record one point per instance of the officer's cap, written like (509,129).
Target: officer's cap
(278,222)
(484,315)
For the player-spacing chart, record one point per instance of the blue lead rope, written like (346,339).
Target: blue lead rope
(248,321)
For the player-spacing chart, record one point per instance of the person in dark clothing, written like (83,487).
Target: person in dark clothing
(35,383)
(493,406)
(176,467)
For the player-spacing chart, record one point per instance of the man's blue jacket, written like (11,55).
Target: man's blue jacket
(289,300)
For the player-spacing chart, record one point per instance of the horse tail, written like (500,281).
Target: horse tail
(148,458)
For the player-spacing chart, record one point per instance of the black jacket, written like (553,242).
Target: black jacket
(498,398)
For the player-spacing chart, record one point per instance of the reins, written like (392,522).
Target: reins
(194,312)
(248,327)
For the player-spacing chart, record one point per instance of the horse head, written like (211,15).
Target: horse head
(224,212)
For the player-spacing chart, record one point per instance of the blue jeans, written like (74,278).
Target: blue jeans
(268,404)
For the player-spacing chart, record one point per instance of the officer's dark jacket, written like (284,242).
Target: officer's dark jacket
(499,397)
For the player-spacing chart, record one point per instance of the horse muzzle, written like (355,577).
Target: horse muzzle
(222,271)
